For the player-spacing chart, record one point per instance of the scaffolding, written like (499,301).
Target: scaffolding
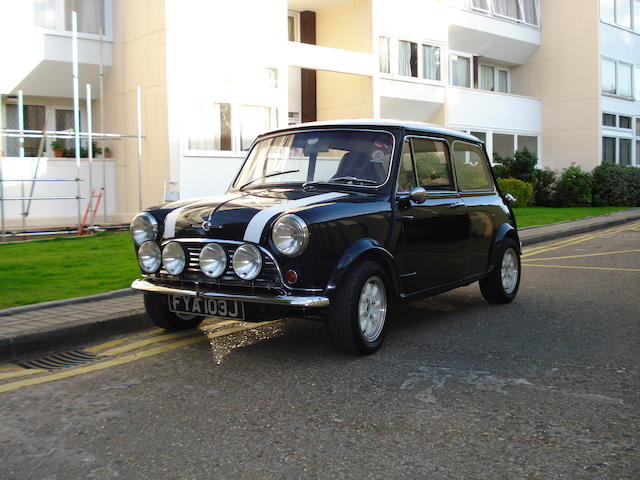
(21,133)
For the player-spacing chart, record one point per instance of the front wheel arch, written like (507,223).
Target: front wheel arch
(361,251)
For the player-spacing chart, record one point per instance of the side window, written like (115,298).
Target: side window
(432,164)
(406,175)
(472,170)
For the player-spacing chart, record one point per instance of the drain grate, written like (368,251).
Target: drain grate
(59,360)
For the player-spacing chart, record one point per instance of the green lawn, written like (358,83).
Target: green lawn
(529,216)
(42,270)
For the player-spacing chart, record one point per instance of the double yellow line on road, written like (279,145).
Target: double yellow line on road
(201,336)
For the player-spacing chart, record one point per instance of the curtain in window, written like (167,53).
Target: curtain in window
(64,121)
(431,62)
(44,14)
(90,15)
(625,85)
(530,11)
(636,15)
(12,145)
(506,8)
(254,121)
(487,78)
(623,13)
(503,81)
(480,4)
(460,75)
(383,46)
(408,59)
(607,10)
(210,127)
(608,80)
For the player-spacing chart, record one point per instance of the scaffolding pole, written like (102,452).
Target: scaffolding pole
(21,141)
(90,150)
(76,103)
(138,102)
(104,164)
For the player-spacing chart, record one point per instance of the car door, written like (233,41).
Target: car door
(435,231)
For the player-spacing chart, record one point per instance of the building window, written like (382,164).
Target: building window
(625,151)
(210,127)
(407,59)
(460,71)
(624,13)
(528,142)
(430,62)
(608,150)
(608,120)
(624,82)
(90,15)
(45,14)
(504,144)
(384,46)
(255,120)
(482,136)
(487,78)
(293,26)
(636,84)
(624,122)
(608,79)
(64,121)
(481,5)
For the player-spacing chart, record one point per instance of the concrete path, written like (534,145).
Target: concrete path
(54,325)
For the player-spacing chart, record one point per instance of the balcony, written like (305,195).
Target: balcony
(41,55)
(409,99)
(482,109)
(507,35)
(317,57)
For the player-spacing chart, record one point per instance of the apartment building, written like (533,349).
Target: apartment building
(560,77)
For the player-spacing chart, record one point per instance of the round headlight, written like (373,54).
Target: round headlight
(173,258)
(290,235)
(143,227)
(149,257)
(213,260)
(247,262)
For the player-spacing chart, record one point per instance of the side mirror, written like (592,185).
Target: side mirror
(418,194)
(510,198)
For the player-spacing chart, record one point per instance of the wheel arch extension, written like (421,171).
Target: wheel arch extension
(364,249)
(505,231)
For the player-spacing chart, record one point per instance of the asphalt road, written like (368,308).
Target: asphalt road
(546,387)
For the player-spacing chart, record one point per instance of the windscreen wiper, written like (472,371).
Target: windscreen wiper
(272,174)
(347,179)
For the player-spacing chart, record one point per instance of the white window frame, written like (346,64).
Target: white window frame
(491,11)
(61,30)
(236,130)
(633,79)
(296,25)
(619,137)
(635,28)
(421,61)
(394,47)
(496,77)
(397,59)
(461,54)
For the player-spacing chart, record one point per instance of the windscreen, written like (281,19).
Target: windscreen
(351,156)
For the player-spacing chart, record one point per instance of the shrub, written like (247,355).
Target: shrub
(523,191)
(500,171)
(521,166)
(544,187)
(616,185)
(573,188)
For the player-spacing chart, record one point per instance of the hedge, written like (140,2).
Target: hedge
(523,191)
(616,186)
(573,188)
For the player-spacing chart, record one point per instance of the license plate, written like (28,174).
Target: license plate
(210,307)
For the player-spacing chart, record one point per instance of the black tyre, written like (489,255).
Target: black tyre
(157,306)
(501,286)
(358,315)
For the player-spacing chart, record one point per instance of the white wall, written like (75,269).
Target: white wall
(55,212)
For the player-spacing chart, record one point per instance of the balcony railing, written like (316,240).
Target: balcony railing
(521,11)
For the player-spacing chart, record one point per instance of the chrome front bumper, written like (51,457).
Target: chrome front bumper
(286,300)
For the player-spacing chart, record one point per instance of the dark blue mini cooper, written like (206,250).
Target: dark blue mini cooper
(333,220)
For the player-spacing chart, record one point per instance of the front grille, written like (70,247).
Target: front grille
(269,276)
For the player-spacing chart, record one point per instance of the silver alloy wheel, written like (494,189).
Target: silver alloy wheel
(372,308)
(509,270)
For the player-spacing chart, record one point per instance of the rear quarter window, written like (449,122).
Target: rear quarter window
(472,169)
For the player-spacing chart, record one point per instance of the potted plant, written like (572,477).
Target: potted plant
(58,148)
(96,149)
(107,152)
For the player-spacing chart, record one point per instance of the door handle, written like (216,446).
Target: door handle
(457,204)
